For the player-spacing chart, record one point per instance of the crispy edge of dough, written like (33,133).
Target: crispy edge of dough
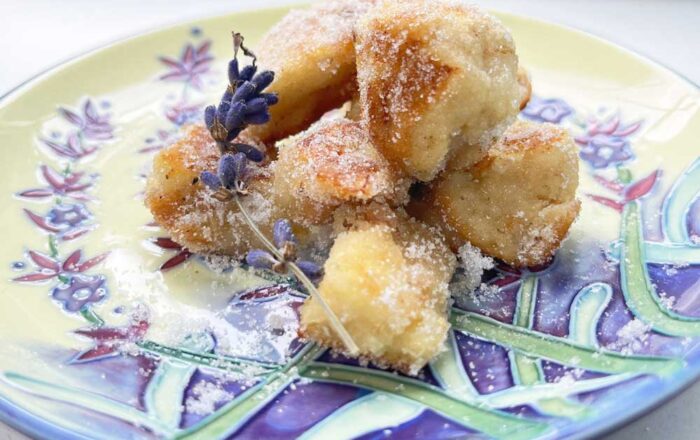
(174,192)
(428,205)
(525,86)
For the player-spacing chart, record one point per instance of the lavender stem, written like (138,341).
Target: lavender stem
(349,343)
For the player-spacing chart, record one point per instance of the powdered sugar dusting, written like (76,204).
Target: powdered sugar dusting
(632,337)
(205,396)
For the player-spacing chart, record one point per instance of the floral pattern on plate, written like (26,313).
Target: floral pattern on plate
(537,353)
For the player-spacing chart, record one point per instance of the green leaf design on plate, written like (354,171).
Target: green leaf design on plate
(640,295)
(363,415)
(681,195)
(586,309)
(163,395)
(237,412)
(557,349)
(91,316)
(219,362)
(450,374)
(527,370)
(524,395)
(89,400)
(491,422)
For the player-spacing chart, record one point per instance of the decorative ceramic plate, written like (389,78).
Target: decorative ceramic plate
(110,329)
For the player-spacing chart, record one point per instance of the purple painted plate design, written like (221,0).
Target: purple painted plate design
(111,329)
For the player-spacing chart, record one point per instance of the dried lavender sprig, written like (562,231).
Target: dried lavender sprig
(285,242)
(242,104)
(228,185)
(338,326)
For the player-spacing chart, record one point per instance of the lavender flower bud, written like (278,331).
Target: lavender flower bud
(235,115)
(209,116)
(260,259)
(270,98)
(227,171)
(262,80)
(310,269)
(222,110)
(244,92)
(233,133)
(247,73)
(239,165)
(256,105)
(257,118)
(210,179)
(228,95)
(233,73)
(282,233)
(252,153)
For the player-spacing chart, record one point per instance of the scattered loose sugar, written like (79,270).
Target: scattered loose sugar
(205,397)
(570,377)
(631,337)
(474,263)
(667,301)
(672,270)
(220,263)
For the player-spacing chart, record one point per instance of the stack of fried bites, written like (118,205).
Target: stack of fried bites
(396,135)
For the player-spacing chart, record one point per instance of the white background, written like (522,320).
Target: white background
(37,34)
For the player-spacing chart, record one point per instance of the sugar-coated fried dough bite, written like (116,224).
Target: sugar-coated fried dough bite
(313,56)
(387,282)
(331,164)
(433,76)
(184,207)
(517,204)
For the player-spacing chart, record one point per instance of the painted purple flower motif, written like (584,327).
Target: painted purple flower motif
(67,221)
(92,125)
(191,67)
(67,184)
(79,291)
(162,139)
(108,341)
(183,113)
(73,148)
(49,267)
(605,142)
(547,110)
(69,216)
(625,192)
(183,254)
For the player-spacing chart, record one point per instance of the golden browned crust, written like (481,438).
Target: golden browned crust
(434,76)
(313,56)
(332,164)
(517,204)
(184,207)
(387,282)
(525,86)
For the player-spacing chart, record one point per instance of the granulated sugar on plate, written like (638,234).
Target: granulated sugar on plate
(632,337)
(205,397)
(472,264)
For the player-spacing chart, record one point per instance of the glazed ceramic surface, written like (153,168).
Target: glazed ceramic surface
(110,329)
